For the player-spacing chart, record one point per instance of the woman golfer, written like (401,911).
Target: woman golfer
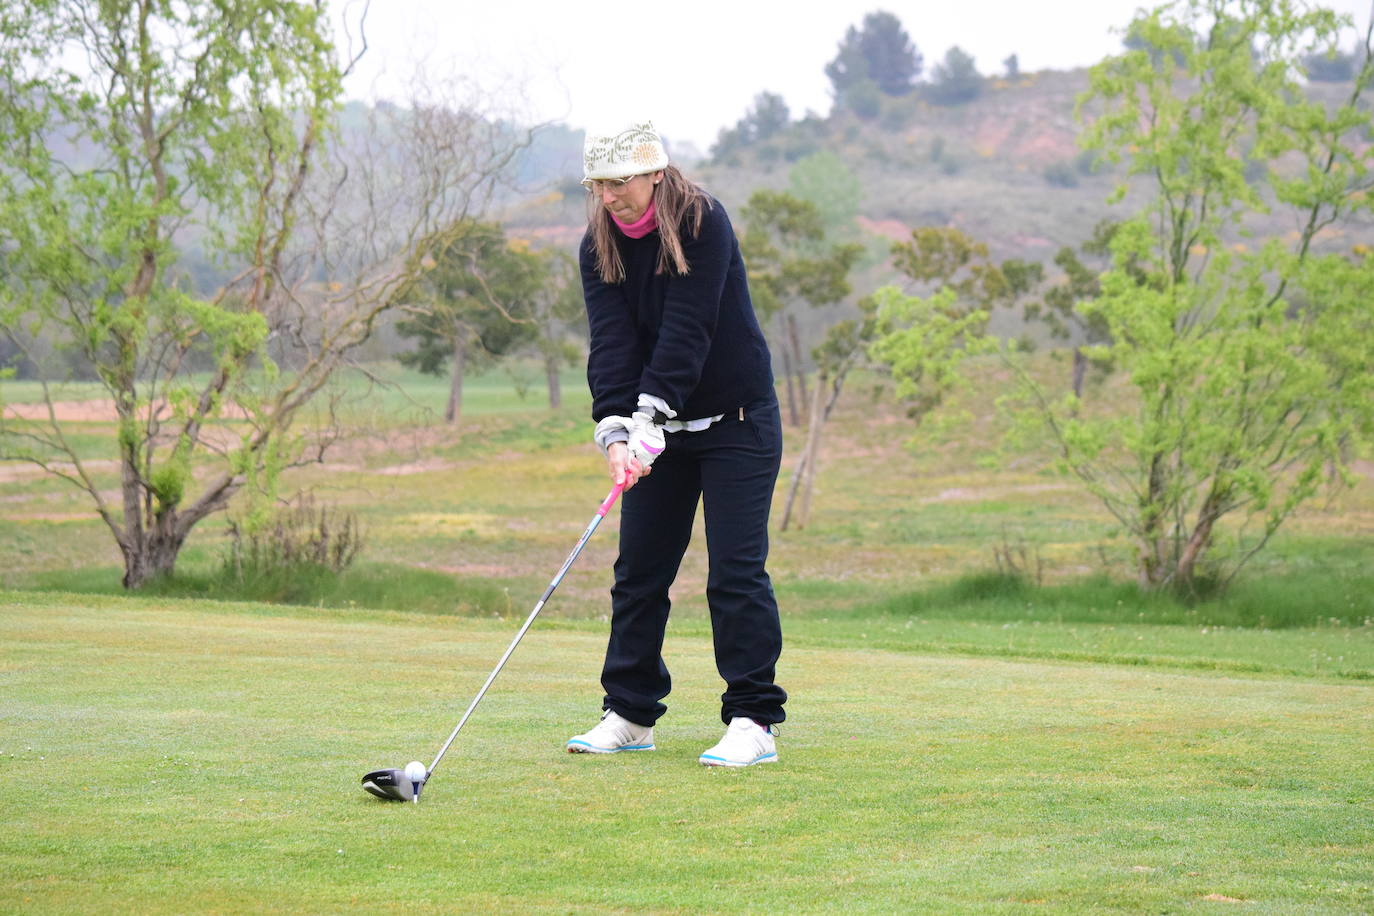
(682,392)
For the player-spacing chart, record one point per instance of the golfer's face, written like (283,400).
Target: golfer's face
(628,202)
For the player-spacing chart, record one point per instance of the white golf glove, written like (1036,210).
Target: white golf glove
(646,439)
(641,435)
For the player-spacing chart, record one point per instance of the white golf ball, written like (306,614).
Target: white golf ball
(415,771)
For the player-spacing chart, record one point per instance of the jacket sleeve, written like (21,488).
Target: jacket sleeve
(691,308)
(613,362)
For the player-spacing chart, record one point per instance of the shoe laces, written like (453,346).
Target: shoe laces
(747,730)
(748,725)
(619,728)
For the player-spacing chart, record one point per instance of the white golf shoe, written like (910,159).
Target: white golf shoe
(613,734)
(746,743)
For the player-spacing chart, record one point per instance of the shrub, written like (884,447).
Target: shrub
(1061,174)
(299,535)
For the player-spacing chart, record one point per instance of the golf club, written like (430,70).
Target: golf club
(404,784)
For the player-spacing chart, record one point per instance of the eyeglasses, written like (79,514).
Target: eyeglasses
(614,185)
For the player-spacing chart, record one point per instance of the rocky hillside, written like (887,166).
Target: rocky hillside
(1005,168)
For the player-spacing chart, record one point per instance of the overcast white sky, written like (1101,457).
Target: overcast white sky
(695,66)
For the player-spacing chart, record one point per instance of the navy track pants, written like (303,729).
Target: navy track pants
(730,468)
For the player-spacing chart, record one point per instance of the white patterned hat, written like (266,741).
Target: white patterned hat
(633,151)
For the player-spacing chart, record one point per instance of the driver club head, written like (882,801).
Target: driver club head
(392,785)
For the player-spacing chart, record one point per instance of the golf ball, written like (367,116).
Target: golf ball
(415,771)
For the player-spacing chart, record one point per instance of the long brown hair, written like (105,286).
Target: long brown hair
(676,200)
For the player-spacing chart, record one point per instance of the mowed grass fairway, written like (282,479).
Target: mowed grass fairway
(180,756)
(956,742)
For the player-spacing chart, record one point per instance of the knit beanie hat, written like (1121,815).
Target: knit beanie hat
(634,150)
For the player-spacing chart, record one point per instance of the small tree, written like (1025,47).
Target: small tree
(924,340)
(939,256)
(1058,309)
(955,80)
(881,53)
(556,308)
(789,265)
(825,180)
(768,117)
(472,306)
(135,128)
(1251,371)
(844,348)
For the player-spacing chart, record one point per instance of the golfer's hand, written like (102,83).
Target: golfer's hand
(646,439)
(623,467)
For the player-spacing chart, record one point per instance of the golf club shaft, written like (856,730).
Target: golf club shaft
(567,564)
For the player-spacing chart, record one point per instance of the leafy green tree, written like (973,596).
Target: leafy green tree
(1058,308)
(880,53)
(844,348)
(955,80)
(1251,369)
(1138,38)
(472,306)
(790,265)
(177,113)
(557,311)
(134,128)
(940,256)
(825,180)
(924,340)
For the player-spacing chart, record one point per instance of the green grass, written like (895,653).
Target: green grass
(368,585)
(188,756)
(957,741)
(1298,599)
(986,615)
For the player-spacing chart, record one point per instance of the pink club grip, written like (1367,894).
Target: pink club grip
(610,500)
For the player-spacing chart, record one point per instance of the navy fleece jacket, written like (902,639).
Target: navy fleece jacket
(692,340)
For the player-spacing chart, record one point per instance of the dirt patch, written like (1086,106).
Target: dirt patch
(415,467)
(973,494)
(1030,241)
(553,235)
(99,410)
(485,570)
(1048,145)
(893,229)
(993,134)
(26,471)
(95,411)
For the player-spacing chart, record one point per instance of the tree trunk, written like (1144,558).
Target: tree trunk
(155,557)
(1153,570)
(1080,371)
(454,411)
(151,550)
(798,363)
(792,417)
(813,449)
(551,367)
(1198,542)
(792,490)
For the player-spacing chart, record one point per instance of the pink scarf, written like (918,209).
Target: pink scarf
(640,227)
